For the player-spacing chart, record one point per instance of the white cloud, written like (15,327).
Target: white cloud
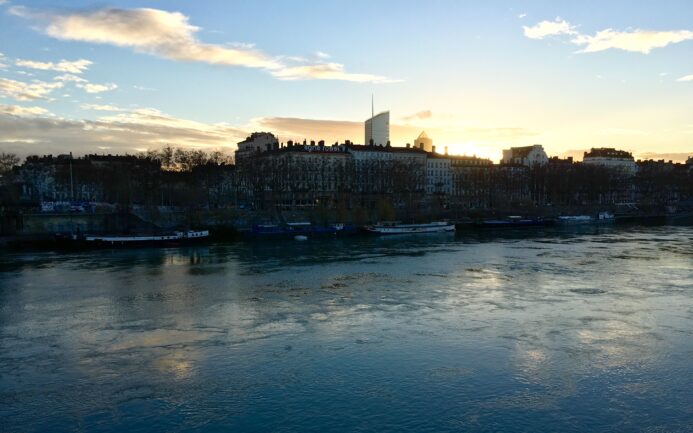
(171,36)
(22,91)
(124,132)
(639,41)
(97,88)
(73,67)
(69,78)
(686,78)
(549,28)
(322,55)
(16,110)
(520,16)
(98,107)
(326,71)
(420,115)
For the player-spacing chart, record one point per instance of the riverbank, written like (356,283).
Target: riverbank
(229,233)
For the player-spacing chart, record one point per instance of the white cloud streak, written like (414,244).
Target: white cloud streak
(22,91)
(544,29)
(72,67)
(28,133)
(170,35)
(96,88)
(69,78)
(100,107)
(16,110)
(637,40)
(326,71)
(686,78)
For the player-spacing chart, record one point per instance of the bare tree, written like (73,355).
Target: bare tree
(7,161)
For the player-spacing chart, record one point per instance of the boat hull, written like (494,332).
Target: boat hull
(290,232)
(521,223)
(127,241)
(409,229)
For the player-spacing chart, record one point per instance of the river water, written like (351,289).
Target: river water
(567,331)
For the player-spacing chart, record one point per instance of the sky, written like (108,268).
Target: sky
(477,76)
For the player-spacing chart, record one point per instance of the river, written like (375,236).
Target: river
(570,330)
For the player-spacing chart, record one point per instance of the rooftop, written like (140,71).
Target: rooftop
(607,152)
(522,152)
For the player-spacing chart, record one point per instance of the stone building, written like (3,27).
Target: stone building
(611,158)
(529,156)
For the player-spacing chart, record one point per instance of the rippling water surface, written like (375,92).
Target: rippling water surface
(587,330)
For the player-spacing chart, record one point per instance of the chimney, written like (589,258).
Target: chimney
(446,150)
(421,146)
(408,145)
(321,143)
(433,149)
(290,143)
(312,142)
(371,142)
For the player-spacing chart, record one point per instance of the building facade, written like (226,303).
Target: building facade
(424,142)
(377,129)
(529,156)
(256,142)
(611,158)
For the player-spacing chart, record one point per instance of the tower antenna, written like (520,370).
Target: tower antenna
(372,109)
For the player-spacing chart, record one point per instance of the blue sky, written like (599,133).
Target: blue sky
(477,76)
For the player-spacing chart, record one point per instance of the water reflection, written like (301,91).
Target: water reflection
(536,329)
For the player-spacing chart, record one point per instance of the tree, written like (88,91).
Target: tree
(7,161)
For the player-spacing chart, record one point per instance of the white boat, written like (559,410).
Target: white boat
(394,228)
(605,218)
(189,235)
(602,218)
(575,219)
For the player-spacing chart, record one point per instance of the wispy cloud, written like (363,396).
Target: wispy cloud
(73,67)
(16,110)
(25,133)
(671,156)
(97,88)
(639,41)
(171,36)
(70,78)
(544,29)
(99,107)
(686,78)
(22,91)
(326,71)
(420,115)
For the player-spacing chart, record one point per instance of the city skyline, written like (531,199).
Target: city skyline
(477,78)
